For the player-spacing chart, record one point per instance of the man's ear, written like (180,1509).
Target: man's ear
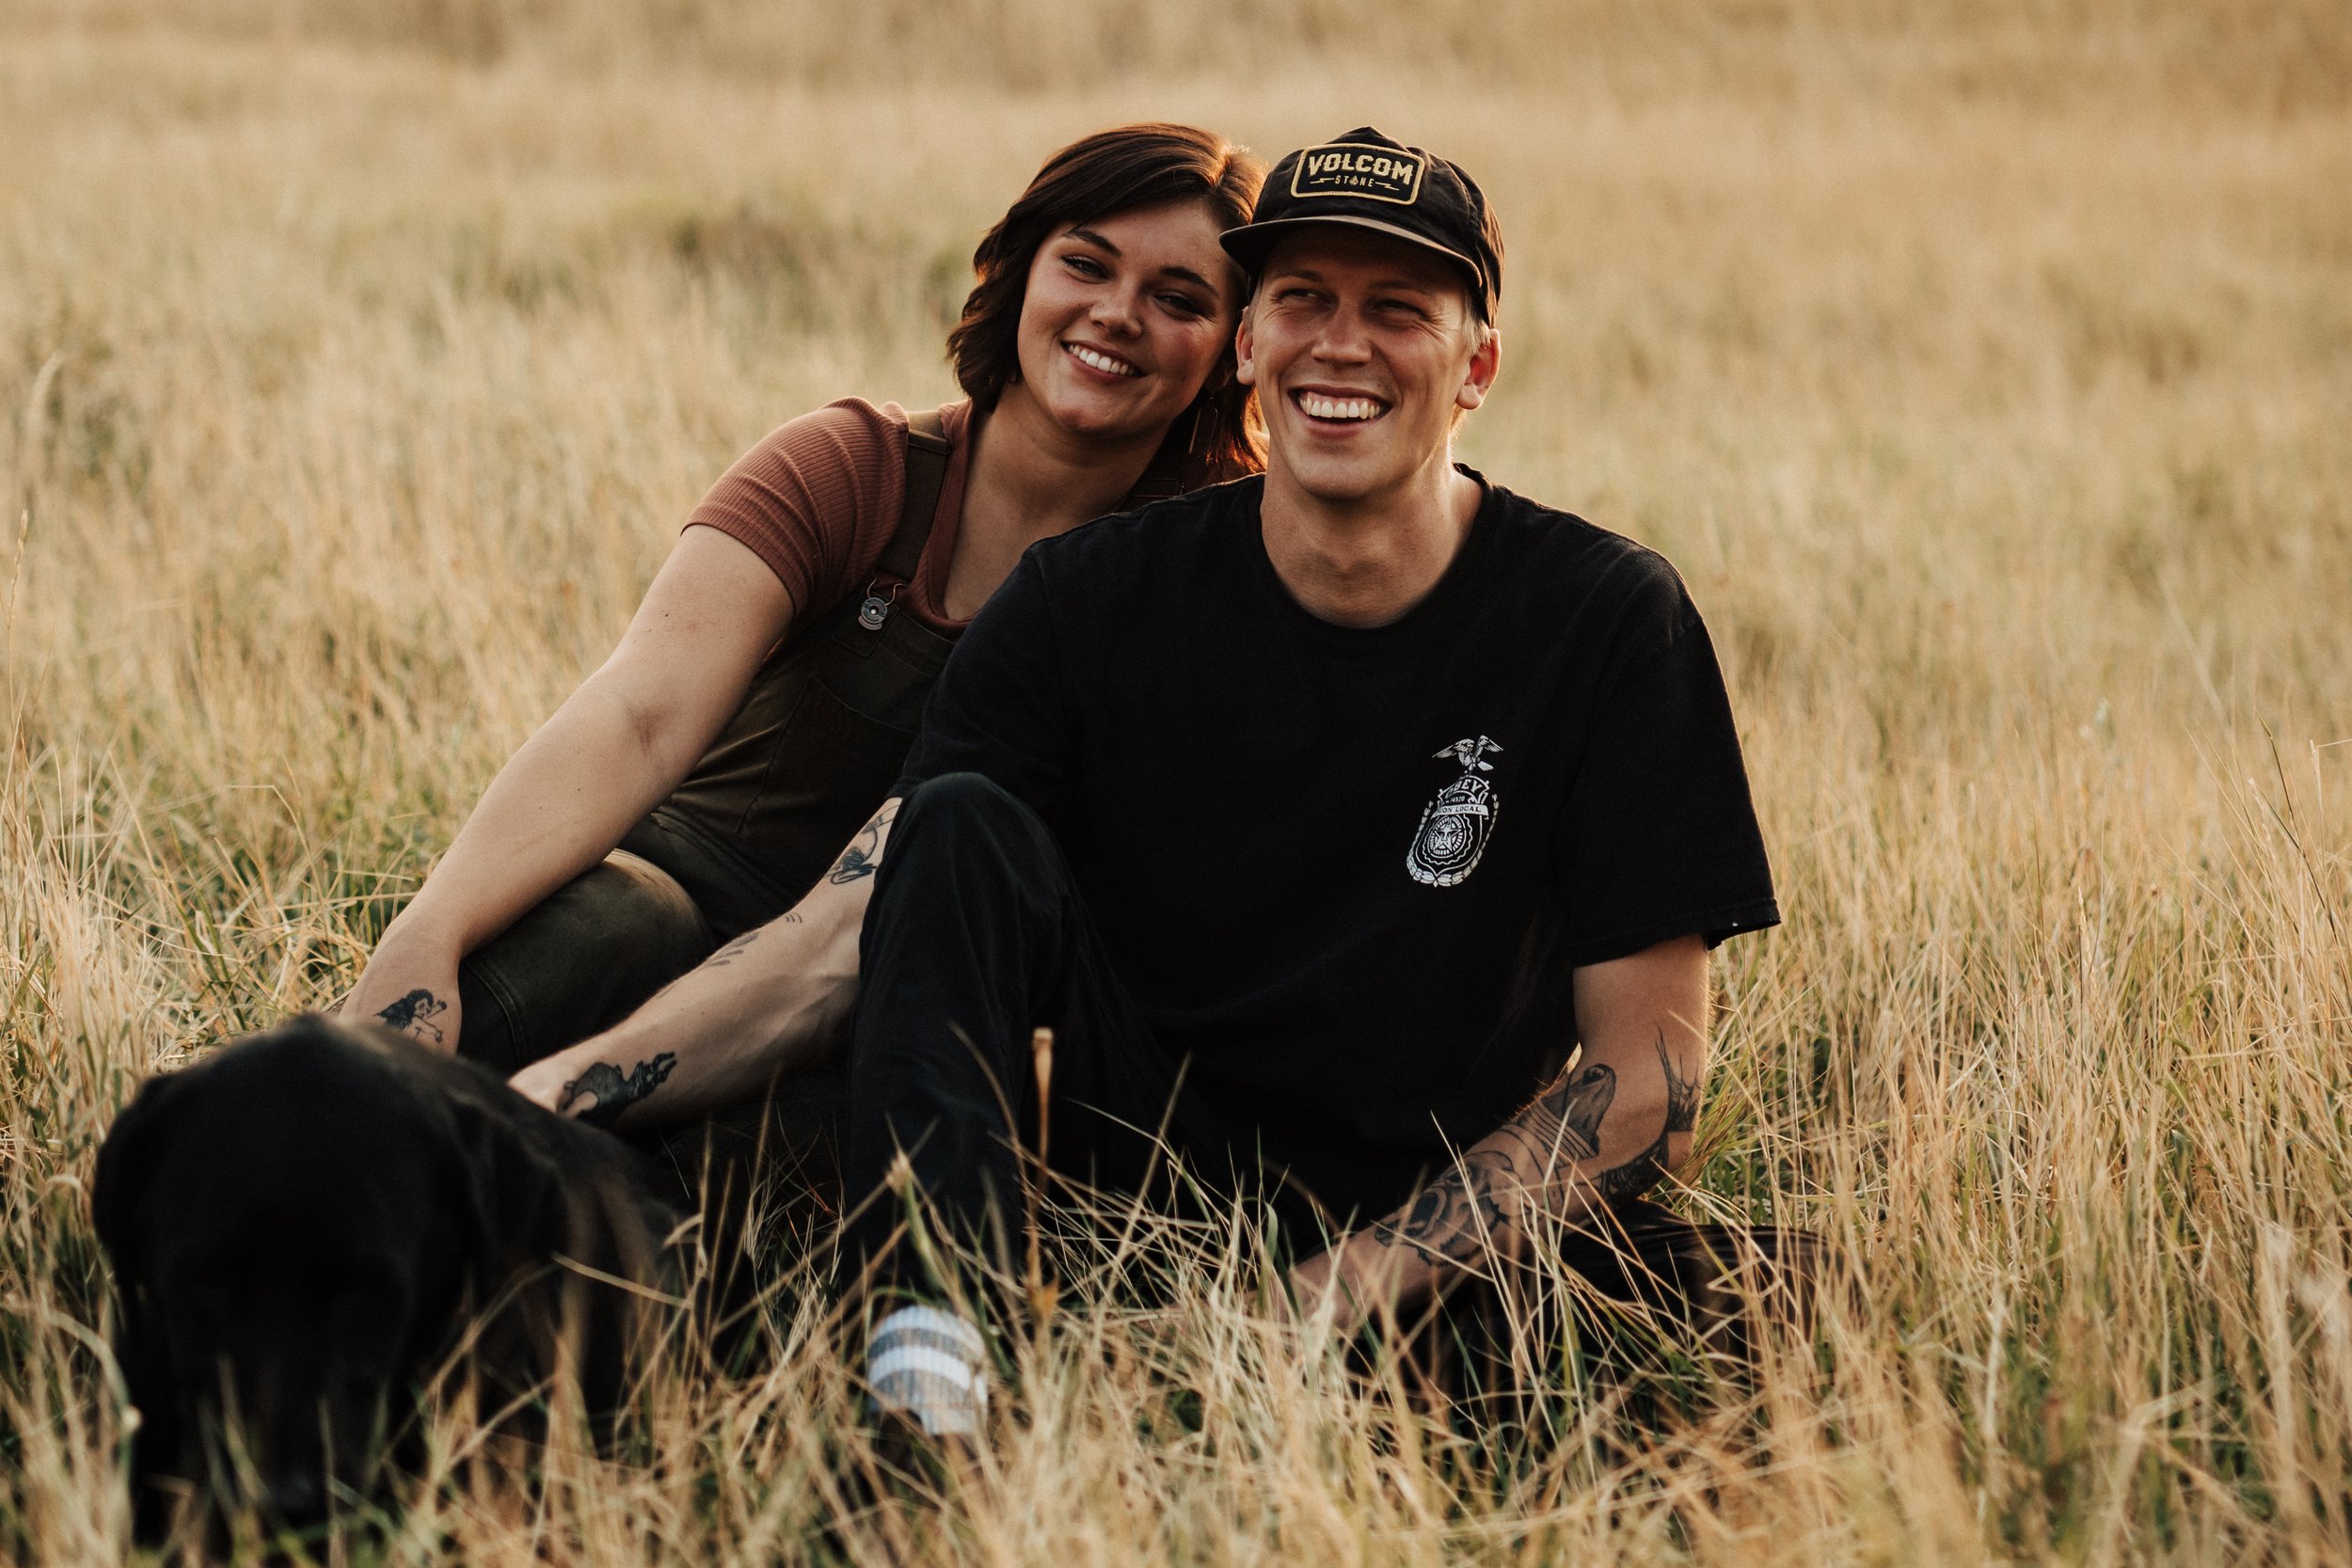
(1245,370)
(1485,361)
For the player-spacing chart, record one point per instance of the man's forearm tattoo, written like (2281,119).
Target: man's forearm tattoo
(413,1014)
(734,950)
(863,854)
(1647,1169)
(613,1093)
(1455,1217)
(726,955)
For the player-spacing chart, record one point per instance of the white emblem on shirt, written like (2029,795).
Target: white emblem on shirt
(1455,826)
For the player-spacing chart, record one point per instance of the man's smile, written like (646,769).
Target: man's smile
(1338,409)
(1100,362)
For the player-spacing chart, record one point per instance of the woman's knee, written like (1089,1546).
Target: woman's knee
(588,952)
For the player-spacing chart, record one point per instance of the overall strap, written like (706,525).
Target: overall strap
(1156,485)
(1163,476)
(927,471)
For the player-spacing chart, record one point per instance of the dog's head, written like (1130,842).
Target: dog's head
(299,1225)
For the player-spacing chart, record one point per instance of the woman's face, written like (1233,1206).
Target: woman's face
(1123,320)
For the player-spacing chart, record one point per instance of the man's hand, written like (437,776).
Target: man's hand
(1605,1130)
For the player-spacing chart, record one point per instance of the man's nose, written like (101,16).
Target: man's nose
(1342,339)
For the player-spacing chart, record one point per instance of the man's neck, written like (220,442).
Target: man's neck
(1367,562)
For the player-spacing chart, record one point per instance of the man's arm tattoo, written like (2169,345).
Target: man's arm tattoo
(613,1093)
(1564,1121)
(859,860)
(412,1014)
(1647,1169)
(1455,1218)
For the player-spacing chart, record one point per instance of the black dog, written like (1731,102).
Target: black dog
(308,1223)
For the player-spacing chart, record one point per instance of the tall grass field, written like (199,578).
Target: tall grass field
(1984,365)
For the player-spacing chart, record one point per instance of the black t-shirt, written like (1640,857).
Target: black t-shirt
(1347,871)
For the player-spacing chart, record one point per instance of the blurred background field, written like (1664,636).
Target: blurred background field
(1986,368)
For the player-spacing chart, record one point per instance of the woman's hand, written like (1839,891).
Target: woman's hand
(412,990)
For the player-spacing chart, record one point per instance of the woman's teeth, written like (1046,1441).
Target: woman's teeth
(1100,362)
(1317,406)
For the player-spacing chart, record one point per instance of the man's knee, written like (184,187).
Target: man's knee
(960,813)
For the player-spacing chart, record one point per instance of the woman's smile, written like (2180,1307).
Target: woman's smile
(1102,361)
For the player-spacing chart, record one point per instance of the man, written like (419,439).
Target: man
(1322,816)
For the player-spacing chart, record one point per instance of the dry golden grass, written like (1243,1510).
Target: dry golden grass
(1986,368)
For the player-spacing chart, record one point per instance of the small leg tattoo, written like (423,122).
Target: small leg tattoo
(412,1014)
(613,1093)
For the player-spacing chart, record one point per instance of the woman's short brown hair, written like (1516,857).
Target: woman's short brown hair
(1114,171)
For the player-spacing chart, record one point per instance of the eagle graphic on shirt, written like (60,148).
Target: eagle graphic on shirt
(1455,826)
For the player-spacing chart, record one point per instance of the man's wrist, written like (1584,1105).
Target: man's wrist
(1361,1282)
(1396,1279)
(547,1080)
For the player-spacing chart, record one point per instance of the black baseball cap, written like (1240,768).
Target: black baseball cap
(1371,181)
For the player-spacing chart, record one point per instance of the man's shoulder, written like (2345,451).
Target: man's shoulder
(1565,560)
(1146,541)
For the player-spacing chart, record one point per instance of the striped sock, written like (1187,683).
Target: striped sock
(930,1365)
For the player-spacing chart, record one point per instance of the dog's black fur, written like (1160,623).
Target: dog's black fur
(307,1224)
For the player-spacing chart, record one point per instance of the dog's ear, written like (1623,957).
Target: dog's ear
(508,1193)
(127,1160)
(120,1193)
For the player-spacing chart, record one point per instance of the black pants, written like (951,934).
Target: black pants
(976,936)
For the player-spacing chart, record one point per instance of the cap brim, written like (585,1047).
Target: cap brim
(1249,243)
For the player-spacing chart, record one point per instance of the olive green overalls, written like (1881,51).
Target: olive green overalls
(812,754)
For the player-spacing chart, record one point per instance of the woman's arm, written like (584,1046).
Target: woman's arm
(768,1003)
(1613,1125)
(618,747)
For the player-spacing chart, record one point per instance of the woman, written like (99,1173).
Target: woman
(765,693)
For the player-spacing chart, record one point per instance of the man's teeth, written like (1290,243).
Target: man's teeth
(1100,361)
(1317,406)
